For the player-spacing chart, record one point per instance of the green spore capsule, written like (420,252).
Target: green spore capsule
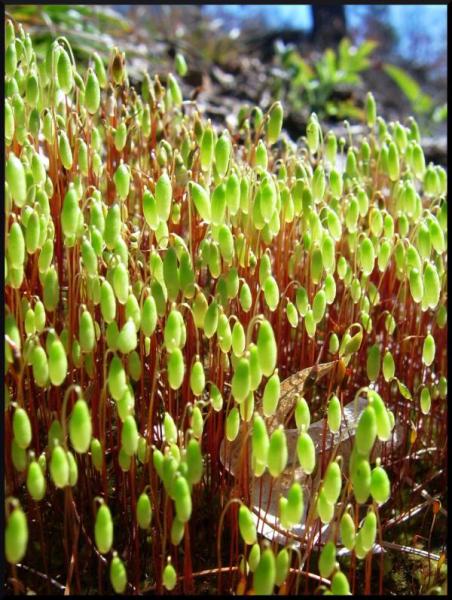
(428,350)
(353,344)
(129,436)
(381,415)
(254,557)
(328,251)
(282,566)
(316,265)
(18,457)
(59,467)
(232,424)
(332,482)
(425,400)
(124,460)
(197,378)
(112,231)
(240,384)
(319,306)
(197,422)
(121,282)
(103,529)
(274,123)
(117,383)
(92,92)
(347,531)
(29,322)
(295,503)
(340,585)
(96,454)
(80,427)
(367,256)
(271,395)
(207,148)
(325,508)
(302,414)
(87,336)
(15,246)
(32,233)
(222,153)
(172,333)
(15,177)
(201,201)
(366,431)
(334,225)
(170,429)
(51,289)
(261,156)
(416,285)
(176,369)
(388,366)
(333,345)
(380,486)
(118,575)
(371,109)
(247,526)
(264,576)
(174,89)
(368,531)
(120,136)
(127,338)
(16,536)
(306,452)
(334,414)
(226,243)
(73,469)
(218,206)
(40,366)
(163,196)
(126,404)
(327,559)
(133,310)
(224,334)
(150,210)
(180,64)
(89,257)
(182,499)
(360,475)
(266,348)
(373,362)
(313,133)
(121,179)
(432,287)
(64,150)
(169,576)
(194,461)
(238,339)
(65,72)
(436,235)
(144,511)
(57,363)
(177,531)
(292,314)
(36,483)
(22,428)
(441,316)
(260,441)
(277,452)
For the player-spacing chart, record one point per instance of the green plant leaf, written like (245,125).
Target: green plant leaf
(412,90)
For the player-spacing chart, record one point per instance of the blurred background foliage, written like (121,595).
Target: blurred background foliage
(320,59)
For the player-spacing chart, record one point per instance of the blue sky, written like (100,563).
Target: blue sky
(432,17)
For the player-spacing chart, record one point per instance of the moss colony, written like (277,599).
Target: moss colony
(163,281)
